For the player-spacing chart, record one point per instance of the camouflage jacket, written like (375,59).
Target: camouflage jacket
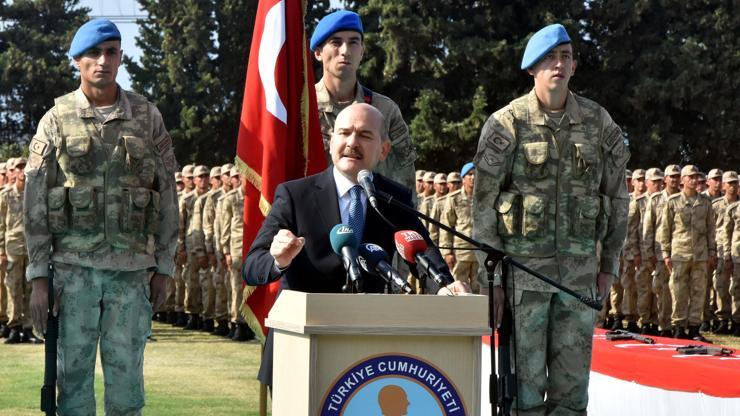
(210,218)
(458,214)
(186,203)
(12,240)
(719,205)
(195,238)
(731,233)
(436,213)
(399,165)
(650,243)
(101,193)
(548,191)
(236,227)
(687,230)
(635,214)
(227,213)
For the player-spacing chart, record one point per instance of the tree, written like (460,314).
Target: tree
(34,67)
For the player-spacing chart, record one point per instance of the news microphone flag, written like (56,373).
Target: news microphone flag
(279,134)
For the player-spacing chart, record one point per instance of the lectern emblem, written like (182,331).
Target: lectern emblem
(393,384)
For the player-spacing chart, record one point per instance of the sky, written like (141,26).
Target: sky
(122,12)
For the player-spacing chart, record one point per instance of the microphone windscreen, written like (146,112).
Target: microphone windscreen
(408,243)
(361,175)
(373,254)
(342,235)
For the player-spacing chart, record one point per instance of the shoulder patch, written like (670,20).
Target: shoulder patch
(169,161)
(495,146)
(163,144)
(38,146)
(611,136)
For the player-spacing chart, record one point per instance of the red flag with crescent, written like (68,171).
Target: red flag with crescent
(279,135)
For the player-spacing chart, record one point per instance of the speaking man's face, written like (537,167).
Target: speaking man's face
(356,142)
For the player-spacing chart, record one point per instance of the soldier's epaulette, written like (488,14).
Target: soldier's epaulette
(231,192)
(707,197)
(644,195)
(674,196)
(656,195)
(718,199)
(455,193)
(4,190)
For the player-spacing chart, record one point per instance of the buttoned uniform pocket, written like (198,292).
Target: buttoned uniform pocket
(584,159)
(57,213)
(684,215)
(508,207)
(83,203)
(134,208)
(584,214)
(701,214)
(534,218)
(536,155)
(79,154)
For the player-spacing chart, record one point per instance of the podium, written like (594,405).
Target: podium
(373,354)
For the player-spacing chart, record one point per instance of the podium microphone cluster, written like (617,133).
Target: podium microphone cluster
(373,259)
(344,242)
(412,247)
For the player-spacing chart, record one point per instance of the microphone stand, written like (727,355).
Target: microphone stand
(501,388)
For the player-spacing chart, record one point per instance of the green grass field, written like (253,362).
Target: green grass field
(185,373)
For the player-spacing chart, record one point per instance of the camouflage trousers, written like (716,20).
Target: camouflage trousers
(3,297)
(688,288)
(663,297)
(193,296)
(220,289)
(629,291)
(173,289)
(710,299)
(19,292)
(235,284)
(208,292)
(721,282)
(647,308)
(110,308)
(615,299)
(735,293)
(467,271)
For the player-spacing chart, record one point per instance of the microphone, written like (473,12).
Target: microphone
(365,179)
(373,259)
(412,247)
(344,242)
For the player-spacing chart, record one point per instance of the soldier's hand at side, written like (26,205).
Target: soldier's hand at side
(3,261)
(212,260)
(182,258)
(40,303)
(653,261)
(603,285)
(712,262)
(729,266)
(203,262)
(158,290)
(638,261)
(285,246)
(668,264)
(229,261)
(450,260)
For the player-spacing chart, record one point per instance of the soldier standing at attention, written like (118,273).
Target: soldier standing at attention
(632,249)
(731,244)
(184,200)
(170,304)
(549,188)
(419,185)
(197,261)
(713,190)
(440,195)
(701,184)
(687,238)
(100,205)
(458,214)
(454,182)
(723,271)
(651,249)
(338,43)
(4,330)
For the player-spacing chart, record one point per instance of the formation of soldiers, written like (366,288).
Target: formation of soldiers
(15,291)
(679,274)
(207,290)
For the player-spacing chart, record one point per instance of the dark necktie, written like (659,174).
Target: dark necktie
(356,215)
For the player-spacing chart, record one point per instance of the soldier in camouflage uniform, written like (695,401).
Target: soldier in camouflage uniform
(14,258)
(215,274)
(701,184)
(440,196)
(4,330)
(184,200)
(550,187)
(170,305)
(731,247)
(631,249)
(454,181)
(100,205)
(419,184)
(458,214)
(223,299)
(723,272)
(713,190)
(197,261)
(651,251)
(427,201)
(337,43)
(687,238)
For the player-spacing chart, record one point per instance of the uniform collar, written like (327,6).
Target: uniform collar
(324,100)
(537,115)
(86,110)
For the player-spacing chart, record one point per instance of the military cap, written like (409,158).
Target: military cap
(543,42)
(689,170)
(429,177)
(226,168)
(454,177)
(628,174)
(420,175)
(333,23)
(178,177)
(200,170)
(671,170)
(15,162)
(92,33)
(467,168)
(2,167)
(234,171)
(729,176)
(187,171)
(440,178)
(702,177)
(714,173)
(638,174)
(215,172)
(654,174)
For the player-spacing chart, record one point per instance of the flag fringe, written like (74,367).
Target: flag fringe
(249,317)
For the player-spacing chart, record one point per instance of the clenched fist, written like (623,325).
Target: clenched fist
(285,246)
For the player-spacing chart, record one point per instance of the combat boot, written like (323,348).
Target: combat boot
(608,322)
(695,335)
(222,328)
(736,329)
(242,333)
(632,327)
(182,319)
(28,337)
(723,328)
(705,326)
(192,324)
(207,325)
(172,317)
(679,333)
(14,337)
(617,324)
(232,330)
(4,330)
(666,333)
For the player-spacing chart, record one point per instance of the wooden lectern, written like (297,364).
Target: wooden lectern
(335,353)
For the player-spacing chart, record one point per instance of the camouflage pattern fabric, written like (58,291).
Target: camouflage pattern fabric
(650,247)
(548,194)
(13,245)
(722,275)
(731,244)
(458,214)
(688,287)
(399,165)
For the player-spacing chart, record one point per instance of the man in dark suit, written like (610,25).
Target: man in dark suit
(293,244)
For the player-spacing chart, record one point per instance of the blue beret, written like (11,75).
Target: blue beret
(93,33)
(543,42)
(467,168)
(335,22)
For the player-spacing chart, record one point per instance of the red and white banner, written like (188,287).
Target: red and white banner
(279,135)
(632,378)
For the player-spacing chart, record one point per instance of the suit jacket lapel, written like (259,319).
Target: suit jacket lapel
(325,199)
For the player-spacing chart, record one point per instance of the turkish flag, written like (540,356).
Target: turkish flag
(279,135)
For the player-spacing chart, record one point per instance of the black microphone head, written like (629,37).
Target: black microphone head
(372,254)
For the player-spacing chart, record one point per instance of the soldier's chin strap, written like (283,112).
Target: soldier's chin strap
(502,388)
